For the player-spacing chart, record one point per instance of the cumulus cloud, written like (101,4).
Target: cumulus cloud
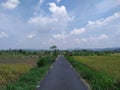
(58,19)
(94,25)
(10,4)
(95,33)
(3,35)
(58,11)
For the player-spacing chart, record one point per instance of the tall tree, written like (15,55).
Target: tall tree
(54,47)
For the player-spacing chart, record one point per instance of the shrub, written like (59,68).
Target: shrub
(45,60)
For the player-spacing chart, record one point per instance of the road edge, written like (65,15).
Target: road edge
(38,86)
(84,81)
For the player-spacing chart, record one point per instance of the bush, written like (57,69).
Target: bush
(45,60)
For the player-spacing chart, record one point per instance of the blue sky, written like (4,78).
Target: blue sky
(39,24)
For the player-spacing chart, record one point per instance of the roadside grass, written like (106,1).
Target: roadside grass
(29,80)
(97,78)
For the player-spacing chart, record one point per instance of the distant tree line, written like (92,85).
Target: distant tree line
(85,52)
(54,51)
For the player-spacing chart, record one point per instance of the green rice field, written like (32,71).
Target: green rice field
(109,64)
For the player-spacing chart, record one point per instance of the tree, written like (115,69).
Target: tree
(54,47)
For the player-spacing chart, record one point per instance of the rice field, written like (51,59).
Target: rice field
(109,64)
(11,69)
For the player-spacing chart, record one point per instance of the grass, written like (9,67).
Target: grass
(101,72)
(23,74)
(28,81)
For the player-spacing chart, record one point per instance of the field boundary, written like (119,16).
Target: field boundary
(85,82)
(46,74)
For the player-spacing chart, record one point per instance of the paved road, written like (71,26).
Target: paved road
(62,77)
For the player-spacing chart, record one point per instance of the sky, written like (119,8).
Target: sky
(68,24)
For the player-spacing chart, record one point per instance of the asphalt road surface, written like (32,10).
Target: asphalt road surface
(62,77)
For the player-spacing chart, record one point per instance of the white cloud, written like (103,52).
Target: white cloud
(31,36)
(102,37)
(57,11)
(42,21)
(102,22)
(78,31)
(60,36)
(96,38)
(3,35)
(91,39)
(94,34)
(59,18)
(94,25)
(10,4)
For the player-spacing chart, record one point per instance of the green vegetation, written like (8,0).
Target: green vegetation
(30,80)
(12,54)
(20,70)
(54,47)
(11,69)
(45,60)
(85,52)
(24,69)
(10,73)
(109,64)
(101,72)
